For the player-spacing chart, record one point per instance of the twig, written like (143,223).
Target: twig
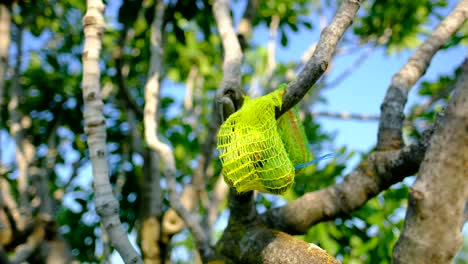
(319,61)
(346,115)
(435,215)
(152,88)
(106,205)
(347,72)
(390,127)
(121,83)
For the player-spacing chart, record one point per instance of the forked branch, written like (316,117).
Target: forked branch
(106,205)
(391,123)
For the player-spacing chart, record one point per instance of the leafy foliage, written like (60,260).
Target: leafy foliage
(396,23)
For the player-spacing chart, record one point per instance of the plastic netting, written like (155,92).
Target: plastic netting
(294,139)
(257,151)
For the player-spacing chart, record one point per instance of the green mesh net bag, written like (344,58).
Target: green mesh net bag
(259,152)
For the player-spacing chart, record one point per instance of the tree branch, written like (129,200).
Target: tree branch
(435,215)
(9,202)
(346,115)
(390,127)
(152,200)
(106,205)
(321,57)
(3,256)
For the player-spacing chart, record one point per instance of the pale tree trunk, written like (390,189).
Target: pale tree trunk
(106,204)
(435,216)
(5,25)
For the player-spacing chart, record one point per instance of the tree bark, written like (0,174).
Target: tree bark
(5,37)
(435,215)
(106,204)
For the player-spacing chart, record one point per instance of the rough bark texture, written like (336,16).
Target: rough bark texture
(390,127)
(435,216)
(106,205)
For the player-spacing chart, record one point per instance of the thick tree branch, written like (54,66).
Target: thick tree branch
(106,205)
(435,215)
(263,245)
(377,173)
(390,127)
(319,61)
(229,94)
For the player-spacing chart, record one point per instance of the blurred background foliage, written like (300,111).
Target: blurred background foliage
(50,93)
